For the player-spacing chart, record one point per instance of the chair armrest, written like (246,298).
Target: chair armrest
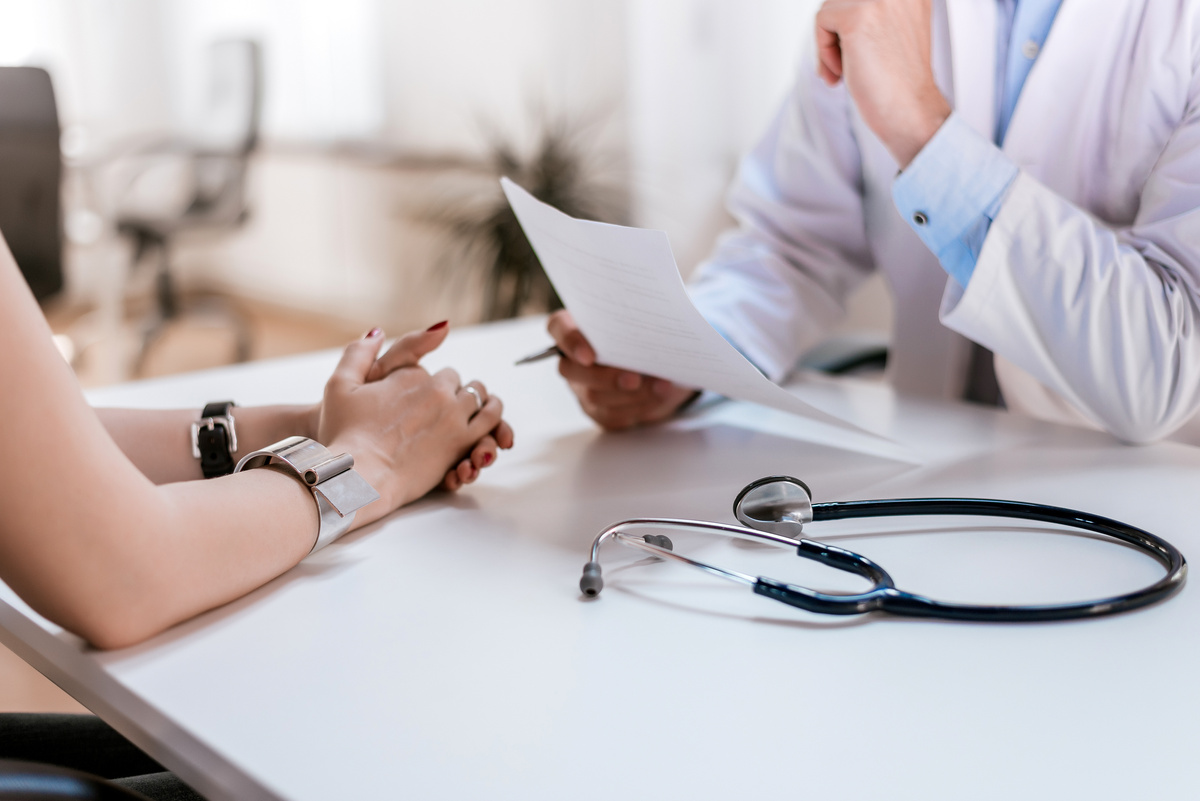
(847,353)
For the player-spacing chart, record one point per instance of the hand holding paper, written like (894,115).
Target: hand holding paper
(616,399)
(626,295)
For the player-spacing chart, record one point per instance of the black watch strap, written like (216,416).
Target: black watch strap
(214,439)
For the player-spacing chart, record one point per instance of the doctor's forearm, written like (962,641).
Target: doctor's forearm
(1113,328)
(951,192)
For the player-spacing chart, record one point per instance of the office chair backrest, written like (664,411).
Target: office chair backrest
(31,176)
(233,105)
(229,131)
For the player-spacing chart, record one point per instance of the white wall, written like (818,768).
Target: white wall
(323,63)
(685,87)
(704,79)
(458,70)
(407,74)
(705,76)
(107,59)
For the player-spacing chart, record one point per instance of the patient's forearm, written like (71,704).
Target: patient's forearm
(130,563)
(159,442)
(87,539)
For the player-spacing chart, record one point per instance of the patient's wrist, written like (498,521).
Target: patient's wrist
(308,420)
(296,421)
(337,488)
(385,478)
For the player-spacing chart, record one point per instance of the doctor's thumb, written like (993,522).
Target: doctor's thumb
(570,339)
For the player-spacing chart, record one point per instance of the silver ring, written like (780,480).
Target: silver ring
(475,394)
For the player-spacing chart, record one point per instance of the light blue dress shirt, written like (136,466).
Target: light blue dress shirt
(954,188)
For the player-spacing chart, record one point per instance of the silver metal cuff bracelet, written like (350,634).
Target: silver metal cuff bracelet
(337,488)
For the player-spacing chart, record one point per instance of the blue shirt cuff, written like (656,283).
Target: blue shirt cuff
(951,192)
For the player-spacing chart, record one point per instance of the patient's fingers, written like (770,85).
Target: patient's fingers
(484,453)
(486,419)
(467,472)
(408,350)
(503,434)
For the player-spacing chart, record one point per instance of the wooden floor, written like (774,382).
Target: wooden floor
(193,342)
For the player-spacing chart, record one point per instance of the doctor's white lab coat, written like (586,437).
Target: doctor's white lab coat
(1088,285)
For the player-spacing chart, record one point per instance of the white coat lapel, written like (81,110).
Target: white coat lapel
(1098,90)
(1059,103)
(973,58)
(1062,67)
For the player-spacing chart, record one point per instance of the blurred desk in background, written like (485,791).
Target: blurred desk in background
(445,652)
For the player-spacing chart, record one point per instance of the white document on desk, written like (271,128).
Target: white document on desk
(625,292)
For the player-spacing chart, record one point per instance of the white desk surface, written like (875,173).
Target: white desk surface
(446,653)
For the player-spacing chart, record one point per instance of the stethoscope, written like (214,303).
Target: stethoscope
(776,508)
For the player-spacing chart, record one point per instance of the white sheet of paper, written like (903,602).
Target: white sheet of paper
(625,292)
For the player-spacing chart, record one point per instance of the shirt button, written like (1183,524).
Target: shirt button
(920,218)
(1030,50)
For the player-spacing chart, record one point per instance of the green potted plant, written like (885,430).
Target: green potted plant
(565,169)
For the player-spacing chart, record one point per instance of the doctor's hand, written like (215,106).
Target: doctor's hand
(881,49)
(616,399)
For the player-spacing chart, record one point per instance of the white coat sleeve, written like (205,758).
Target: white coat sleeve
(1108,318)
(777,282)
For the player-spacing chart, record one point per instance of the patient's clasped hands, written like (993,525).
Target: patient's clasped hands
(408,431)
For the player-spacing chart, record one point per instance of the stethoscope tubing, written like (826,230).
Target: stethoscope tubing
(898,602)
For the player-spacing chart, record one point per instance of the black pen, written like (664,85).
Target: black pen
(553,350)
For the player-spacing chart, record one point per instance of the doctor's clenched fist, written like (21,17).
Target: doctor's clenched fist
(614,398)
(881,49)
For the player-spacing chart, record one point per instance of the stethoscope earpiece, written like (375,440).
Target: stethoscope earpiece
(592,581)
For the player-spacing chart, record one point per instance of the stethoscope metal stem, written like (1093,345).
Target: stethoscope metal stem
(672,523)
(664,553)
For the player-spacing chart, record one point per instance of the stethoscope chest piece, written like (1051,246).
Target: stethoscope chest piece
(776,504)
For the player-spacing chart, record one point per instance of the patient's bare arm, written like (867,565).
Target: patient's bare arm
(159,442)
(90,542)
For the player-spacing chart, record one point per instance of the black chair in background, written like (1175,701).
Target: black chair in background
(31,177)
(216,159)
(33,781)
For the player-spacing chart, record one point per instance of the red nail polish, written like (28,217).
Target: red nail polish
(438,326)
(487,459)
(374,332)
